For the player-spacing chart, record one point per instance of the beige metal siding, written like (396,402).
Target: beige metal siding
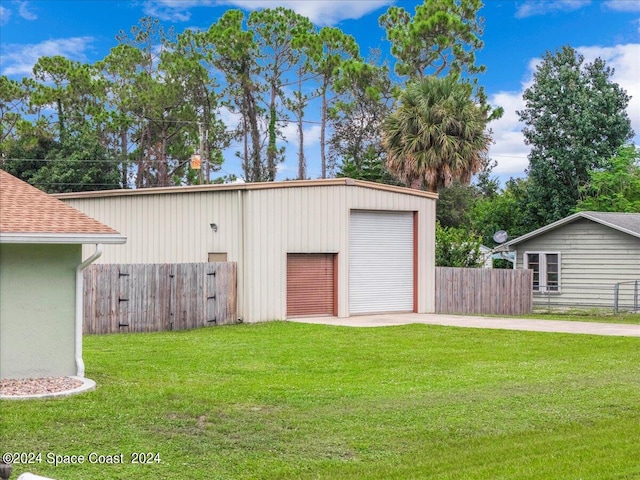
(258,228)
(278,222)
(316,219)
(161,228)
(593,258)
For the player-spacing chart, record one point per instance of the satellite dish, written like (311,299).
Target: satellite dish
(500,236)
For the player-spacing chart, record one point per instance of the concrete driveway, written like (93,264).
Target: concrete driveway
(558,326)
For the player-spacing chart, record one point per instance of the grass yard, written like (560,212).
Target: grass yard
(286,400)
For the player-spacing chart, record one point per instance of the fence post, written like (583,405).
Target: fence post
(616,291)
(635,297)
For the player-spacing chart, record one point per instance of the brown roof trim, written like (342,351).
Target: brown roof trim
(249,186)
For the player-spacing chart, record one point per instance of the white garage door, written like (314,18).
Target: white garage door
(381,262)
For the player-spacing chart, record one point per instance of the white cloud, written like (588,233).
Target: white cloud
(25,12)
(230,119)
(19,59)
(510,150)
(325,12)
(623,5)
(530,8)
(311,135)
(5,15)
(172,10)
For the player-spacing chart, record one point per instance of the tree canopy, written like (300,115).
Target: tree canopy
(575,120)
(437,134)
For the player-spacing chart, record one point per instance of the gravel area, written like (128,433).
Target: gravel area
(37,386)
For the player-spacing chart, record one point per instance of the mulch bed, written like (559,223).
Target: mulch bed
(16,387)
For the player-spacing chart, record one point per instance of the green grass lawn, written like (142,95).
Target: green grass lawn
(285,400)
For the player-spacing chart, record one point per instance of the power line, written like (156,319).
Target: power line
(88,160)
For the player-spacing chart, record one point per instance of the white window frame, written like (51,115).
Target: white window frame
(542,273)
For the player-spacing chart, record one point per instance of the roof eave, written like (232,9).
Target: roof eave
(247,187)
(62,238)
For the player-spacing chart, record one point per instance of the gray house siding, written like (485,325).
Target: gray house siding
(593,258)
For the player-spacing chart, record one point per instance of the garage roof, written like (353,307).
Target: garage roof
(251,186)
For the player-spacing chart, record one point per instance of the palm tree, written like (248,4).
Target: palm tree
(437,134)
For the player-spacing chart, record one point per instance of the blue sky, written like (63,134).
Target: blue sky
(517,34)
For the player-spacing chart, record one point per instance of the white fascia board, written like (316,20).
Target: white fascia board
(61,238)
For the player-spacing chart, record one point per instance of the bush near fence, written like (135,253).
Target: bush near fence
(483,291)
(158,297)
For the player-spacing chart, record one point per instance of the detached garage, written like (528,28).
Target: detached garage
(336,247)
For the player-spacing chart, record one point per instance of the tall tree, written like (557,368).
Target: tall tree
(330,49)
(232,50)
(157,99)
(365,99)
(26,151)
(187,60)
(118,70)
(276,32)
(616,186)
(13,103)
(80,158)
(575,119)
(437,134)
(441,38)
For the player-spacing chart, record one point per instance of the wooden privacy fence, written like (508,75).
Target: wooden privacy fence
(157,297)
(483,291)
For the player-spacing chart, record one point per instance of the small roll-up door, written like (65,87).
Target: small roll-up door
(310,284)
(381,262)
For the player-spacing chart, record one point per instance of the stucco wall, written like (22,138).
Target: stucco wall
(37,310)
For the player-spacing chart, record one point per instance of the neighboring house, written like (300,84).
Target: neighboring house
(578,261)
(486,254)
(41,265)
(317,247)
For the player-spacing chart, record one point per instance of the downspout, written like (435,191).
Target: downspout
(241,293)
(80,306)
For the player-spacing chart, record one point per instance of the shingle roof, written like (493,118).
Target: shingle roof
(27,210)
(629,222)
(624,222)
